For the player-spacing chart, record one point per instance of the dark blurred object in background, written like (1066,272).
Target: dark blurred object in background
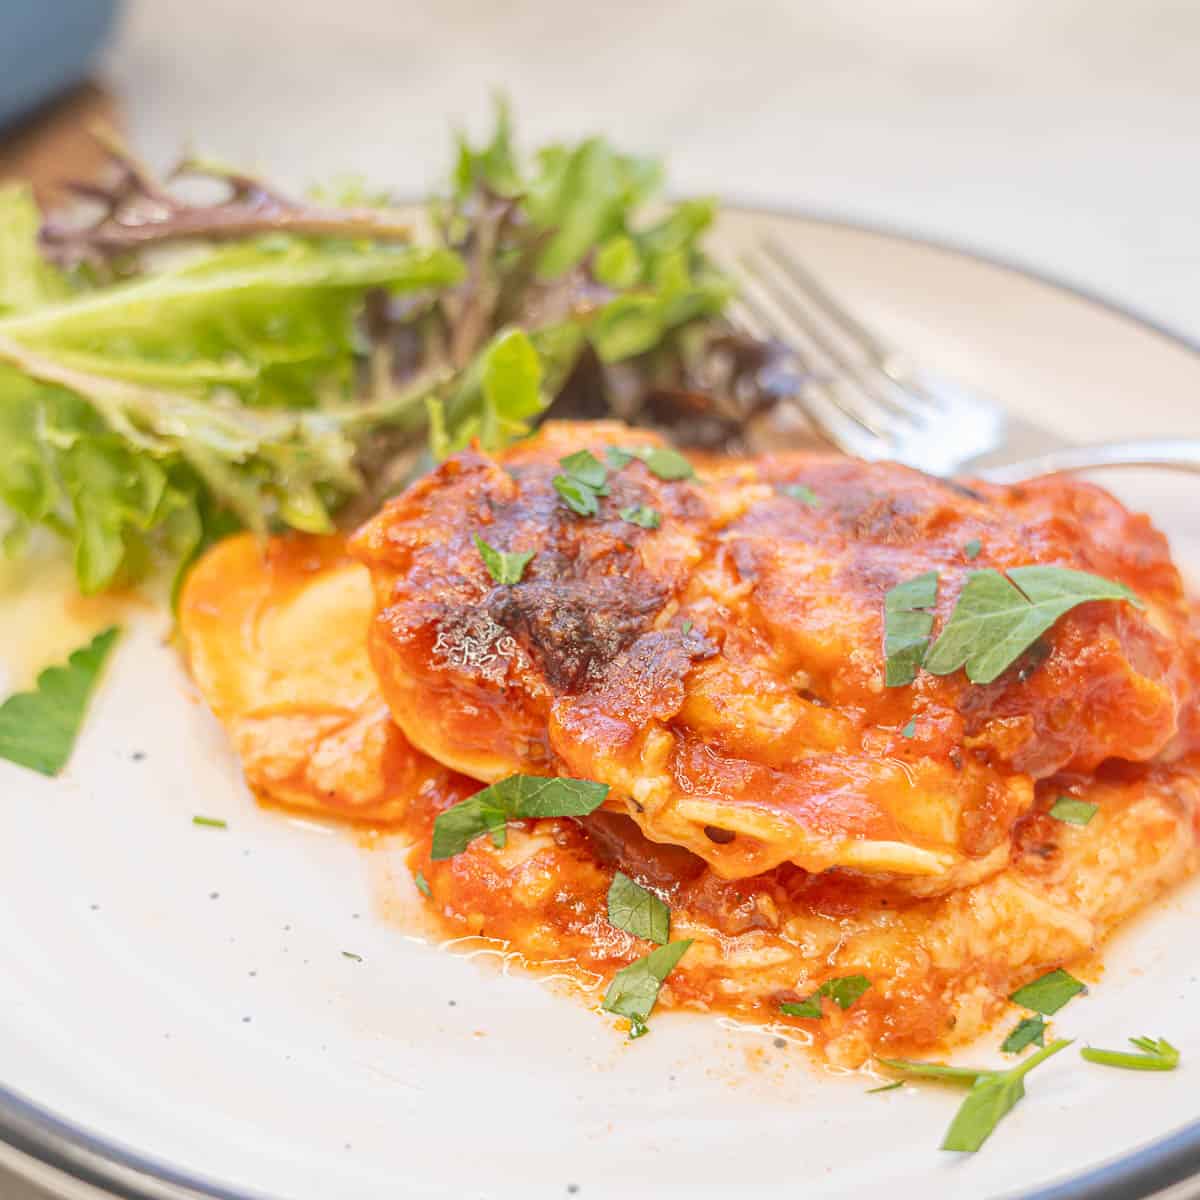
(45,49)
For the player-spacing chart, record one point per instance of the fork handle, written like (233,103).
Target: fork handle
(1179,454)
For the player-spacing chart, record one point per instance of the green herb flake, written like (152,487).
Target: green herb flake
(1049,993)
(647,518)
(1072,811)
(578,497)
(352,956)
(1028,1032)
(661,461)
(585,467)
(1156,1055)
(687,627)
(638,911)
(211,822)
(844,992)
(803,493)
(503,567)
(808,1009)
(634,989)
(887,1087)
(997,617)
(991,1097)
(422,884)
(972,549)
(910,730)
(907,627)
(934,1070)
(517,796)
(38,728)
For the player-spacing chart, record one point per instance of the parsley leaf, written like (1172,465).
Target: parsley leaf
(422,884)
(503,567)
(211,822)
(1029,1032)
(1157,1055)
(517,796)
(38,728)
(910,730)
(803,493)
(577,496)
(997,617)
(1072,811)
(990,1099)
(809,1008)
(907,627)
(660,461)
(972,549)
(993,1094)
(934,1070)
(584,466)
(647,518)
(1049,993)
(634,989)
(844,991)
(638,911)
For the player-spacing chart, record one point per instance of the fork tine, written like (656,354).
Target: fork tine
(834,420)
(770,317)
(876,351)
(880,401)
(804,279)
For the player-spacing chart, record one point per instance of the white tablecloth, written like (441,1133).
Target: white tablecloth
(1059,134)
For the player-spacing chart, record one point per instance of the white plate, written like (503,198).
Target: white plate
(178,998)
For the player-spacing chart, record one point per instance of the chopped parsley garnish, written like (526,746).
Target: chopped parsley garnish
(687,627)
(38,728)
(1072,811)
(1029,1032)
(583,482)
(809,1008)
(422,884)
(907,627)
(577,496)
(352,956)
(660,461)
(1156,1055)
(844,992)
(972,549)
(1049,993)
(638,911)
(211,822)
(634,989)
(993,1094)
(803,493)
(910,730)
(503,567)
(640,514)
(585,467)
(488,811)
(997,617)
(887,1087)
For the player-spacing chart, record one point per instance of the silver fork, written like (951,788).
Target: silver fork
(872,402)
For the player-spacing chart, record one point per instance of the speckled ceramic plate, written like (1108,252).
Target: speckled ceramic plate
(179,1018)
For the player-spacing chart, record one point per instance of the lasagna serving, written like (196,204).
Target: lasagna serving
(799,738)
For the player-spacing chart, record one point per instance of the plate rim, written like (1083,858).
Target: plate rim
(124,1173)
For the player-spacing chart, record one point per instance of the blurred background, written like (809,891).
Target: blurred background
(1054,134)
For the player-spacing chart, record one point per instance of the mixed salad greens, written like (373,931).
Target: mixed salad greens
(171,369)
